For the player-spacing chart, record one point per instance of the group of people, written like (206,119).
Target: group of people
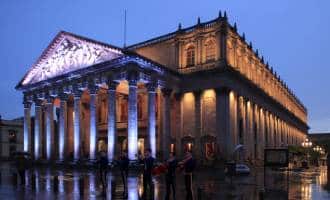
(169,168)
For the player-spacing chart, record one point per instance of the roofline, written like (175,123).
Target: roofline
(170,35)
(233,28)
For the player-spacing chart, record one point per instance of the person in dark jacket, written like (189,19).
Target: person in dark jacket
(123,166)
(171,164)
(103,165)
(188,165)
(148,165)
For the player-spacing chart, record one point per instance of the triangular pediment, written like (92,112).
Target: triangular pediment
(68,53)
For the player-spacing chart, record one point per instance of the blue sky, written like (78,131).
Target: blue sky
(294,36)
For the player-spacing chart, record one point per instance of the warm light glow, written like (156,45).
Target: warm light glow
(188,97)
(189,145)
(306,143)
(209,93)
(141,145)
(172,148)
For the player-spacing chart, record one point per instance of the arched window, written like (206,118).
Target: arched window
(209,51)
(190,56)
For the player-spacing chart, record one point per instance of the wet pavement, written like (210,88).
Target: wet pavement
(49,183)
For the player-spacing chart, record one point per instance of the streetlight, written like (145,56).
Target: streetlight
(306,143)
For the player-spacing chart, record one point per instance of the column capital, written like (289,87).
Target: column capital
(27,104)
(197,93)
(151,87)
(132,82)
(93,89)
(178,96)
(77,93)
(132,76)
(37,101)
(63,96)
(166,92)
(222,90)
(112,85)
(49,98)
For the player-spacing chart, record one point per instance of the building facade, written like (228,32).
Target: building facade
(11,137)
(201,88)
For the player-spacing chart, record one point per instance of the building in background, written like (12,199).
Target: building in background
(11,137)
(202,88)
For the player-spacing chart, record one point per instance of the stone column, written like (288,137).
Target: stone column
(166,133)
(112,120)
(27,126)
(152,118)
(63,134)
(93,122)
(38,129)
(132,120)
(249,132)
(198,123)
(49,128)
(226,121)
(178,119)
(76,126)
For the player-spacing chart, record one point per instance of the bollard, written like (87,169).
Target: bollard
(81,186)
(199,193)
(55,184)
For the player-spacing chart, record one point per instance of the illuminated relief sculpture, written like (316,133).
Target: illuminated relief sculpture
(69,54)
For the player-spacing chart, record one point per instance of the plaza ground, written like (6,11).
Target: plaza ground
(85,184)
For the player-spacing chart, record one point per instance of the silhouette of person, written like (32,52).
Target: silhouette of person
(123,166)
(171,164)
(103,165)
(148,165)
(188,164)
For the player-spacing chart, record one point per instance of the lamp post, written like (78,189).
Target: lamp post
(307,144)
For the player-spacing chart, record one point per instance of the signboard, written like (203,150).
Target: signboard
(276,157)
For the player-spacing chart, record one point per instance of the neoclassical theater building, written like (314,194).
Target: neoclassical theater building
(201,88)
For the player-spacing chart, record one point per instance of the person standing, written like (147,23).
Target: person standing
(148,165)
(123,166)
(170,176)
(103,165)
(188,165)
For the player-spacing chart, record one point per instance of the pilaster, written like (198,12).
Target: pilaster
(76,125)
(27,126)
(49,128)
(198,123)
(152,118)
(63,134)
(38,129)
(112,130)
(166,133)
(132,119)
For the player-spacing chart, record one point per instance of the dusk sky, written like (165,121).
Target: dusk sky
(293,36)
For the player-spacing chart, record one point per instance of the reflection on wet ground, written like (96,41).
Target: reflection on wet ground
(47,183)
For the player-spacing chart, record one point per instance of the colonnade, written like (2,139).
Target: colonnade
(47,101)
